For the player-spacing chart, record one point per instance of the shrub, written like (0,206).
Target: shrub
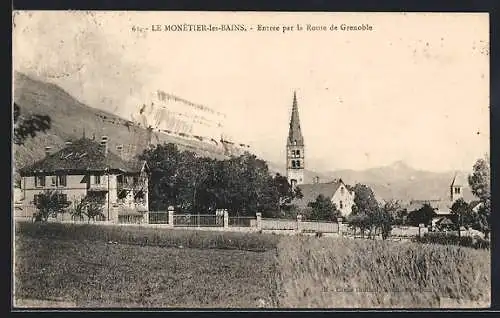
(49,204)
(452,239)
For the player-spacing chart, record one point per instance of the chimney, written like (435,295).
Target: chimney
(47,151)
(119,150)
(316,179)
(104,144)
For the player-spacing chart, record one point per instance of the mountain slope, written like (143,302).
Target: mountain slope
(71,118)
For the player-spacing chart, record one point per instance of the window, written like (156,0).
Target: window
(293,152)
(119,178)
(97,179)
(457,190)
(293,163)
(136,179)
(295,142)
(342,191)
(298,163)
(40,181)
(341,204)
(297,152)
(53,181)
(35,199)
(62,180)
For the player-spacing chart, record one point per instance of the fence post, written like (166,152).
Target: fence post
(226,219)
(259,220)
(299,223)
(171,216)
(341,225)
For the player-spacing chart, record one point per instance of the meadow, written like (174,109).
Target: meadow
(113,266)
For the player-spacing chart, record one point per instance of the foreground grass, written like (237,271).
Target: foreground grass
(142,236)
(98,274)
(333,273)
(115,266)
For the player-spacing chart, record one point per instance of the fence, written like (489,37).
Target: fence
(278,224)
(158,217)
(242,221)
(319,226)
(198,220)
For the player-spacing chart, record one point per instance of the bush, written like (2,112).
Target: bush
(149,236)
(453,239)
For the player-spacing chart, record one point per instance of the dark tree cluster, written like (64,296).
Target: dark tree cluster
(194,184)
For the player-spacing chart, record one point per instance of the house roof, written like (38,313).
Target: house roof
(82,155)
(459,180)
(311,191)
(441,205)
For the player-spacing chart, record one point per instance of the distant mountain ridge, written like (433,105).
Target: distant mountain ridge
(396,181)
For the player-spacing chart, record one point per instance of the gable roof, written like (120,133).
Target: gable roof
(82,155)
(311,191)
(459,180)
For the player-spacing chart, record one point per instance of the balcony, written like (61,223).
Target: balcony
(130,186)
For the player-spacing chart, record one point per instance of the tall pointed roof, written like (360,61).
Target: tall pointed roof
(459,180)
(294,132)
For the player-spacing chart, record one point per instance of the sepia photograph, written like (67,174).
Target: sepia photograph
(250,160)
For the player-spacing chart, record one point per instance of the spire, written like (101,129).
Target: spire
(294,132)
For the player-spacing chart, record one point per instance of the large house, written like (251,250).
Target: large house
(336,191)
(86,168)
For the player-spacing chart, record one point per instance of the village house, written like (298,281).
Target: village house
(86,168)
(458,189)
(336,191)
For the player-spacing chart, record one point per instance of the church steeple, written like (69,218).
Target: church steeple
(295,148)
(294,132)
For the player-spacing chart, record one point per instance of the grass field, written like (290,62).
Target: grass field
(95,266)
(93,273)
(364,273)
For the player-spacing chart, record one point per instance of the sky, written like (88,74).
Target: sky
(414,89)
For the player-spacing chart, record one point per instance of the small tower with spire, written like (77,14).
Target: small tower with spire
(295,148)
(457,187)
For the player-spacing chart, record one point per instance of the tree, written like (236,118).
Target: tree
(462,215)
(359,220)
(286,193)
(89,206)
(25,127)
(366,204)
(384,220)
(479,182)
(423,215)
(364,199)
(49,204)
(324,209)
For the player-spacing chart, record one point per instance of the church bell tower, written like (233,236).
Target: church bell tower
(295,148)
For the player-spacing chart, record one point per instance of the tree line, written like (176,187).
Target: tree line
(193,184)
